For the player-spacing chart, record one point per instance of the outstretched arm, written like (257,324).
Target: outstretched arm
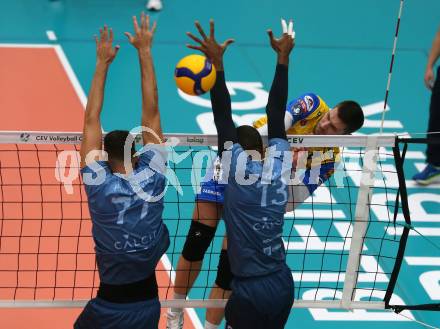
(220,98)
(92,133)
(276,105)
(142,40)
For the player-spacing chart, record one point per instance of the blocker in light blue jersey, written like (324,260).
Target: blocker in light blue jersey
(130,239)
(129,233)
(254,213)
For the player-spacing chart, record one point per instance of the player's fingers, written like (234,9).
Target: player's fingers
(111,36)
(105,33)
(101,35)
(202,33)
(211,28)
(284,25)
(227,43)
(428,84)
(142,20)
(135,24)
(153,28)
(270,34)
(290,28)
(192,36)
(147,22)
(96,40)
(129,36)
(193,47)
(117,49)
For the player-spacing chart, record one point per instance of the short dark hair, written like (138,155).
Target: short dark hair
(249,138)
(114,143)
(350,112)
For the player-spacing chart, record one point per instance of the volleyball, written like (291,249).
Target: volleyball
(195,75)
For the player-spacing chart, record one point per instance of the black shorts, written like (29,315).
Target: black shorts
(101,314)
(260,302)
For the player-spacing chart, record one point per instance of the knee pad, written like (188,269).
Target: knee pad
(197,241)
(224,274)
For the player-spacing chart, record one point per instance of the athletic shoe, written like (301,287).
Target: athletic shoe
(174,320)
(428,175)
(154,5)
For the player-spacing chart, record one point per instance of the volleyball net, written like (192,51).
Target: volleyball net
(344,244)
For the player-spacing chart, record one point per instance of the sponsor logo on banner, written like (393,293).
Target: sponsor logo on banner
(295,140)
(59,138)
(199,140)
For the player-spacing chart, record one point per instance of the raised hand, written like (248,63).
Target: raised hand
(284,45)
(105,52)
(143,35)
(209,46)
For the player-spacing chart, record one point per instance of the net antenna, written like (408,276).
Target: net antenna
(390,73)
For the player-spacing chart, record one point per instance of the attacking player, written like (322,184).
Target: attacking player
(130,236)
(308,114)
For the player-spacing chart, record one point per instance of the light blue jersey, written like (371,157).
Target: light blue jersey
(254,213)
(130,236)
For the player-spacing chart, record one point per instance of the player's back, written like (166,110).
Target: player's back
(129,234)
(254,213)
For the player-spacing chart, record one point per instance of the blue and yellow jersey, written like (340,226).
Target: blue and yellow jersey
(302,116)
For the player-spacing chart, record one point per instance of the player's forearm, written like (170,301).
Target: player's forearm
(435,51)
(276,105)
(96,93)
(150,108)
(221,108)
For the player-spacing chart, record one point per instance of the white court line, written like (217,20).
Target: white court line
(425,231)
(423,261)
(71,74)
(51,35)
(26,45)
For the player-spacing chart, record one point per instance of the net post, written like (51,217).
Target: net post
(361,221)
